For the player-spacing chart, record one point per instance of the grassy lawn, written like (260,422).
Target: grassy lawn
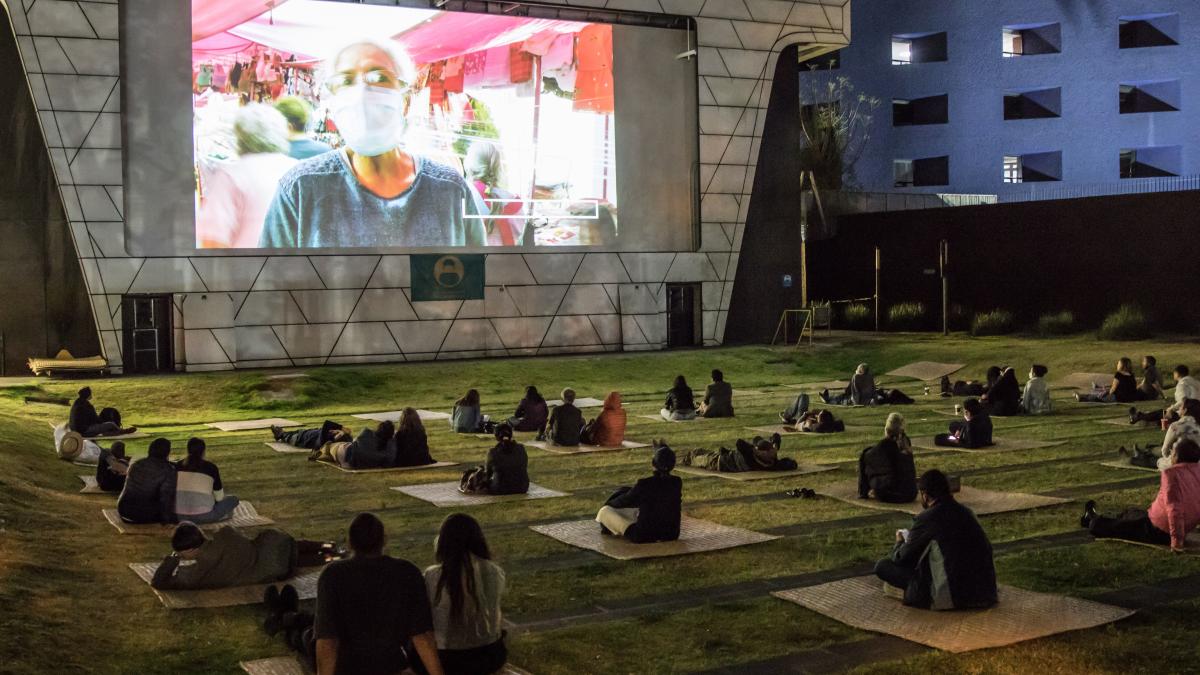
(73,605)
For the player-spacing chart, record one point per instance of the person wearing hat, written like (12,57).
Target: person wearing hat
(650,510)
(230,558)
(85,421)
(112,467)
(759,454)
(149,492)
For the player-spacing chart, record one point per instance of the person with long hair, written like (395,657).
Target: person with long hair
(465,589)
(466,417)
(1123,388)
(680,404)
(411,441)
(531,414)
(886,470)
(1004,397)
(506,471)
(199,494)
(372,449)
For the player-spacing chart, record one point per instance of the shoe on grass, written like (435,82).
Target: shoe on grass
(289,599)
(1089,514)
(276,432)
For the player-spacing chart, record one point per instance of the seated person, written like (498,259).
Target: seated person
(149,492)
(466,417)
(760,454)
(231,558)
(650,511)
(112,468)
(566,421)
(970,387)
(718,397)
(1186,387)
(199,495)
(369,607)
(819,422)
(372,449)
(860,391)
(1036,399)
(410,441)
(1150,388)
(975,431)
(795,411)
(465,589)
(531,414)
(886,470)
(1003,399)
(86,422)
(1122,390)
(311,439)
(608,429)
(1174,513)
(506,471)
(1187,427)
(680,404)
(944,561)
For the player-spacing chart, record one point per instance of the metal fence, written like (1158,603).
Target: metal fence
(1036,192)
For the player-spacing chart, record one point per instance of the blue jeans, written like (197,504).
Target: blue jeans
(220,511)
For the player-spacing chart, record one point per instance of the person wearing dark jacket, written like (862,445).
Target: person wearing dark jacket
(718,397)
(975,431)
(1003,399)
(1123,388)
(886,470)
(566,421)
(650,511)
(231,558)
(970,387)
(679,405)
(149,492)
(88,423)
(112,467)
(819,422)
(505,472)
(531,414)
(944,561)
(372,449)
(311,439)
(760,454)
(411,442)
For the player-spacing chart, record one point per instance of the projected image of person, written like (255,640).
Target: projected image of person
(484,168)
(372,192)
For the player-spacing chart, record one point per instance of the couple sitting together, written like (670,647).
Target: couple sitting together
(800,418)
(681,405)
(154,490)
(386,446)
(1002,394)
(564,425)
(862,391)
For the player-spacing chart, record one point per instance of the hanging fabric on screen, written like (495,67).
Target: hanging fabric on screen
(446,277)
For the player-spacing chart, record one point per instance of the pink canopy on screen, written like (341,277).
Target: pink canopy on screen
(455,33)
(210,17)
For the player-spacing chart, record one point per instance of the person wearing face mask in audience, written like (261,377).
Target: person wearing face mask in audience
(372,192)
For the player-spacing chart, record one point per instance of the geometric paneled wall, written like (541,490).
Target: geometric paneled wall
(244,311)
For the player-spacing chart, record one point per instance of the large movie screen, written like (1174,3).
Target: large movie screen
(335,125)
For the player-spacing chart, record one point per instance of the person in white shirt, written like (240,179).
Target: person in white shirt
(1036,399)
(465,589)
(1186,427)
(1186,387)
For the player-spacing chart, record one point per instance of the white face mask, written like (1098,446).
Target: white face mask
(370,119)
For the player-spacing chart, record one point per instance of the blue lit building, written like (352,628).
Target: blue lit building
(1021,97)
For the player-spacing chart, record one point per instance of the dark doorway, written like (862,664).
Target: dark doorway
(146,325)
(683,315)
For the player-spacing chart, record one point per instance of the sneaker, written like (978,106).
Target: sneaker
(289,599)
(776,440)
(783,418)
(824,396)
(1089,514)
(271,600)
(128,430)
(276,432)
(1076,397)
(686,459)
(1124,452)
(945,385)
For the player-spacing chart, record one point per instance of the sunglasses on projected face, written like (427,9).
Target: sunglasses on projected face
(377,77)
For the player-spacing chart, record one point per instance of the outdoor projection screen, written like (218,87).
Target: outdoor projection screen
(324,125)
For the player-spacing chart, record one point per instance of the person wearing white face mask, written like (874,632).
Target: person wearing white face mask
(372,192)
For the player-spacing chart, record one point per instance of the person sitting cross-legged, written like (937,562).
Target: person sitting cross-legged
(85,421)
(199,495)
(650,511)
(1150,387)
(718,397)
(944,561)
(1187,427)
(1123,388)
(760,454)
(1036,398)
(1186,387)
(1174,513)
(886,470)
(1003,399)
(531,414)
(230,558)
(566,421)
(505,472)
(149,492)
(410,441)
(372,611)
(466,417)
(112,467)
(608,429)
(975,431)
(860,391)
(311,439)
(679,404)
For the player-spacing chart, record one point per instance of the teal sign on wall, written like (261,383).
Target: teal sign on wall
(446,277)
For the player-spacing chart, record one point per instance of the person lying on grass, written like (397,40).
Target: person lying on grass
(649,511)
(819,422)
(886,470)
(230,558)
(311,439)
(372,449)
(759,454)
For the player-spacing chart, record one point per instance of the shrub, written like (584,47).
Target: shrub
(995,322)
(1056,323)
(960,318)
(1127,323)
(858,316)
(906,316)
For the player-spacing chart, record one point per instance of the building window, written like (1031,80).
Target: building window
(925,172)
(1032,104)
(1032,39)
(920,111)
(1151,162)
(1148,30)
(913,48)
(1034,167)
(1148,97)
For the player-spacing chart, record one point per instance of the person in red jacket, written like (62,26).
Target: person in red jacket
(608,429)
